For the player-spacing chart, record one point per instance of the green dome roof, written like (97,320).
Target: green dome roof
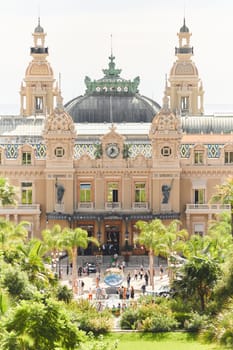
(112,99)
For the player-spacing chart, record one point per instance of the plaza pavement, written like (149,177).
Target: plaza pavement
(111,296)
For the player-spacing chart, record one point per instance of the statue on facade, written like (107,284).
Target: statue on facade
(166,189)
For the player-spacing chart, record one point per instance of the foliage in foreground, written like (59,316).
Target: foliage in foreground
(40,326)
(149,317)
(89,319)
(221,329)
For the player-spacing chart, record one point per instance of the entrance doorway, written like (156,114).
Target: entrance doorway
(112,234)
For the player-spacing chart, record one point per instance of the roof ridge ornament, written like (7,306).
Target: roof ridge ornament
(112,83)
(112,71)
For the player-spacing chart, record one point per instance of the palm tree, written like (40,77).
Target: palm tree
(11,235)
(52,240)
(7,192)
(71,240)
(150,236)
(217,243)
(33,262)
(159,239)
(224,195)
(172,244)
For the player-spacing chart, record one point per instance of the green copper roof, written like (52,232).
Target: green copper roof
(112,83)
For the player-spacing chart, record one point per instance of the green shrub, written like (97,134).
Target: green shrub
(98,324)
(181,318)
(17,284)
(88,318)
(195,322)
(129,319)
(159,323)
(64,294)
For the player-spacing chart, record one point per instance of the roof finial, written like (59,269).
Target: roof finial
(165,98)
(111,46)
(59,81)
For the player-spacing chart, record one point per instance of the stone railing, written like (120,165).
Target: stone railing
(140,205)
(207,208)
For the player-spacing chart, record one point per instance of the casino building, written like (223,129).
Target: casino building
(111,157)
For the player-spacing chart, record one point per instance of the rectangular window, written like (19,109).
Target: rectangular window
(39,104)
(0,157)
(198,157)
(112,195)
(85,192)
(228,157)
(26,158)
(184,104)
(26,193)
(140,192)
(199,196)
(199,229)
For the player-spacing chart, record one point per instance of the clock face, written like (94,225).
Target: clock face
(112,150)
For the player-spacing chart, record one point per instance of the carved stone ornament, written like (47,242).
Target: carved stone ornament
(59,120)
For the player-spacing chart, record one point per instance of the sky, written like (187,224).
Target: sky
(144,37)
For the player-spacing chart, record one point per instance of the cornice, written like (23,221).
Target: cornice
(207,171)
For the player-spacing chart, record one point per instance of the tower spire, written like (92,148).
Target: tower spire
(185,91)
(111,46)
(165,97)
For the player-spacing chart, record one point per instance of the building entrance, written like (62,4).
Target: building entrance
(112,238)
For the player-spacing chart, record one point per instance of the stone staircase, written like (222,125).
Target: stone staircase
(106,260)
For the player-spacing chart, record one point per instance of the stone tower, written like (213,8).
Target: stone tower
(185,87)
(165,135)
(38,89)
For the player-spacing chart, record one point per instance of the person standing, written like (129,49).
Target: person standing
(161,271)
(128,280)
(143,289)
(146,277)
(132,292)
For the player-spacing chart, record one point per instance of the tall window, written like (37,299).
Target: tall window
(26,193)
(112,192)
(26,158)
(140,192)
(0,157)
(184,104)
(198,157)
(228,156)
(85,192)
(39,104)
(199,196)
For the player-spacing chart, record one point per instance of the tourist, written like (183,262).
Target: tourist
(128,280)
(143,289)
(161,271)
(146,277)
(132,292)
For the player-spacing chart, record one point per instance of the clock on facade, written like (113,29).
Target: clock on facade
(112,150)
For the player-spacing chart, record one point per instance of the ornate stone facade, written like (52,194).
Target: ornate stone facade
(104,176)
